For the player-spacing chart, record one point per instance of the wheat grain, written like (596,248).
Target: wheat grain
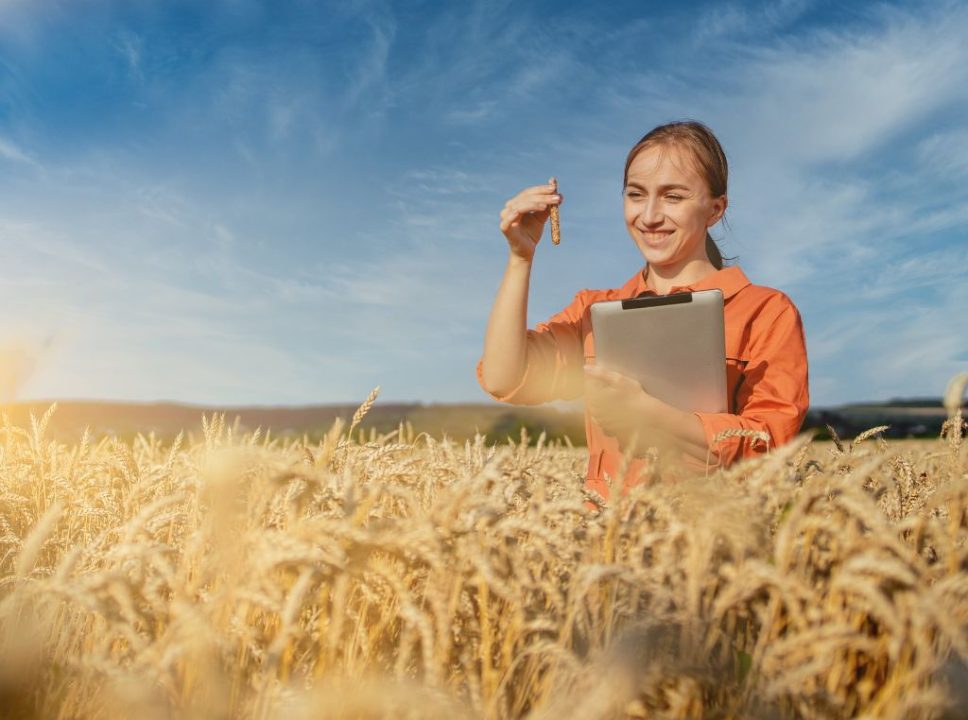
(555,225)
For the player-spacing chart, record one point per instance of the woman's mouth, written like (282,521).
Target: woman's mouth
(655,237)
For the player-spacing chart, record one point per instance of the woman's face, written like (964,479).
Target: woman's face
(668,208)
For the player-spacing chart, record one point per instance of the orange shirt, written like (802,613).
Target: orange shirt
(766,369)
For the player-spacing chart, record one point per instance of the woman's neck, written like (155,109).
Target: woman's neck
(662,279)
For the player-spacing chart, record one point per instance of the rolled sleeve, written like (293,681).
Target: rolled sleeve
(554,362)
(773,397)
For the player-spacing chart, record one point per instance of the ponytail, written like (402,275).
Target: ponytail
(712,251)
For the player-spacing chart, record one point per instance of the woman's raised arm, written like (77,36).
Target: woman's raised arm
(505,341)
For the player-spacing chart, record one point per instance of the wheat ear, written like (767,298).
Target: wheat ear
(868,433)
(362,410)
(555,222)
(760,435)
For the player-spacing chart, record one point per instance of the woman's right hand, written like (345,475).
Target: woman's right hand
(524,216)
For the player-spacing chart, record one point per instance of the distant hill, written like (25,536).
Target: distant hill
(458,421)
(916,417)
(907,418)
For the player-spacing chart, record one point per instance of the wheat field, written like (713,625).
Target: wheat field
(235,575)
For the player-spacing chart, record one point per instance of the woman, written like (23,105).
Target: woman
(674,191)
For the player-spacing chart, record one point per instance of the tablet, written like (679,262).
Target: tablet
(674,345)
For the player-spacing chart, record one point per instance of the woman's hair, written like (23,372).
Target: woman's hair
(706,151)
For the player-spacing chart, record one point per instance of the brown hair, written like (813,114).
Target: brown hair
(706,151)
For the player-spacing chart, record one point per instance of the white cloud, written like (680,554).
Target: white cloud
(13,153)
(835,102)
(945,154)
(473,113)
(131,48)
(731,21)
(898,345)
(939,270)
(368,81)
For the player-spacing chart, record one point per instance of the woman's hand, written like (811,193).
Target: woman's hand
(628,413)
(618,404)
(524,216)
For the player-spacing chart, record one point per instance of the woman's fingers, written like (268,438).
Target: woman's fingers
(606,401)
(608,392)
(533,203)
(547,193)
(547,188)
(514,211)
(507,222)
(611,378)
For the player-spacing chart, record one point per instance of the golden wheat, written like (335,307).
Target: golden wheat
(239,575)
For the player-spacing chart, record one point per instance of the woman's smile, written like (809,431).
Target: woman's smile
(655,238)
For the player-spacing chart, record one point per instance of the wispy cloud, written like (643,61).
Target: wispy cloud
(368,81)
(733,21)
(909,342)
(906,72)
(945,154)
(130,47)
(11,152)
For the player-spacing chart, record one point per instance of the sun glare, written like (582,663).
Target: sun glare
(17,362)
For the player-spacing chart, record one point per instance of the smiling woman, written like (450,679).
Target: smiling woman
(674,190)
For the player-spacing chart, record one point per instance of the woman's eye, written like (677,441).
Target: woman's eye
(675,198)
(632,194)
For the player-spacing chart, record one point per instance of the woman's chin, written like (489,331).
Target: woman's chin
(667,256)
(655,257)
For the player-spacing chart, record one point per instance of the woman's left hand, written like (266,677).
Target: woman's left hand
(618,404)
(627,412)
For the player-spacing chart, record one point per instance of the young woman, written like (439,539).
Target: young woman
(674,191)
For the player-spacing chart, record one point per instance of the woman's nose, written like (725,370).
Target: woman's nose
(652,212)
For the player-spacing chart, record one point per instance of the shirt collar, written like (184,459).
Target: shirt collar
(730,280)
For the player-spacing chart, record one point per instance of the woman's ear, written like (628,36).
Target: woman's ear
(719,209)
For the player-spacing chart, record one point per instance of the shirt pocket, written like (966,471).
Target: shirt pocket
(735,376)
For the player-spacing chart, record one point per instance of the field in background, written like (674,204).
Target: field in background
(165,420)
(460,422)
(405,576)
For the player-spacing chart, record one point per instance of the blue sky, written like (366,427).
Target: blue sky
(236,202)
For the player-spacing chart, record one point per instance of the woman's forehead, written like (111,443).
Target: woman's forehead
(665,163)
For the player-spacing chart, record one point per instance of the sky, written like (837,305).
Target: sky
(290,202)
